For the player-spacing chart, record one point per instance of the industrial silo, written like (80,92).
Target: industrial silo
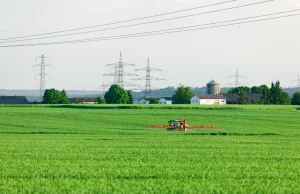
(213,88)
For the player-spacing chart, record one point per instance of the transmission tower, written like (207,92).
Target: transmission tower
(237,81)
(42,74)
(105,86)
(297,81)
(102,88)
(119,73)
(148,78)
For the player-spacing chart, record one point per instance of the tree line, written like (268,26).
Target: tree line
(183,95)
(115,95)
(272,95)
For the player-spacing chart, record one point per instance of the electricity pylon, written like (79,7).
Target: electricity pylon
(42,74)
(237,81)
(297,81)
(148,78)
(119,73)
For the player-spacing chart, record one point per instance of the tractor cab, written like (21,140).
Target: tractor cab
(180,125)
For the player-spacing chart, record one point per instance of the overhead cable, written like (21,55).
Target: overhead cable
(138,24)
(168,31)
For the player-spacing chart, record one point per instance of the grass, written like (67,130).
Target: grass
(91,149)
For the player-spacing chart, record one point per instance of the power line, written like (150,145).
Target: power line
(157,32)
(139,24)
(166,31)
(123,21)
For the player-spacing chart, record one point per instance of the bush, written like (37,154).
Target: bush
(154,101)
(53,96)
(100,100)
(116,95)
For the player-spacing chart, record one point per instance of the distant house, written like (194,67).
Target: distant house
(145,100)
(82,100)
(253,98)
(13,100)
(208,99)
(165,100)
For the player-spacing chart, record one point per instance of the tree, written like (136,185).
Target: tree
(154,101)
(285,98)
(243,99)
(100,100)
(53,96)
(256,90)
(116,95)
(64,97)
(265,90)
(130,97)
(278,96)
(275,93)
(183,95)
(239,90)
(296,99)
(50,97)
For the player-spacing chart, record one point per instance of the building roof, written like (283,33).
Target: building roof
(233,98)
(213,82)
(201,96)
(166,98)
(145,98)
(13,100)
(81,99)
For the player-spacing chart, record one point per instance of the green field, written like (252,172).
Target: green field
(95,149)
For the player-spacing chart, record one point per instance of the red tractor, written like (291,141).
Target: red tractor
(180,125)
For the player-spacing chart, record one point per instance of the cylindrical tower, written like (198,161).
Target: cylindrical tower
(213,88)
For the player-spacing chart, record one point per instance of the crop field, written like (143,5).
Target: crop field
(106,149)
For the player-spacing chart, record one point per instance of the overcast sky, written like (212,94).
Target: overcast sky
(264,52)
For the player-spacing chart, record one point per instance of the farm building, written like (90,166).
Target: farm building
(253,98)
(13,100)
(145,100)
(82,100)
(208,99)
(165,100)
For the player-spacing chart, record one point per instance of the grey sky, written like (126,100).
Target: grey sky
(264,52)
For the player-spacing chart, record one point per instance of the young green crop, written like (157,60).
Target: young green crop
(92,150)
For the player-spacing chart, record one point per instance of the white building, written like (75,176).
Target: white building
(145,100)
(208,99)
(165,100)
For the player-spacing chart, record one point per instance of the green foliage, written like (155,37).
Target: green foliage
(53,96)
(243,99)
(110,151)
(296,99)
(265,90)
(239,90)
(64,97)
(183,95)
(116,95)
(285,99)
(256,90)
(277,96)
(273,95)
(100,100)
(154,101)
(130,97)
